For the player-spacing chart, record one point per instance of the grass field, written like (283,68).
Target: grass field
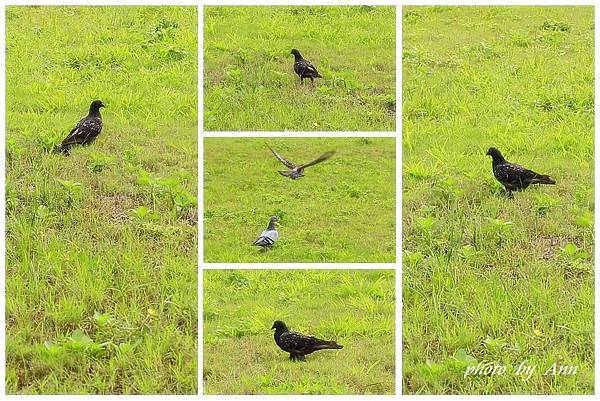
(343,210)
(101,252)
(250,85)
(489,279)
(353,307)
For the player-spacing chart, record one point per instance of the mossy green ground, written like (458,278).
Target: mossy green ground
(343,210)
(488,278)
(353,307)
(250,85)
(101,251)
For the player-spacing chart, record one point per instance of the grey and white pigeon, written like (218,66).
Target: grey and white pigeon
(86,130)
(304,68)
(298,344)
(267,238)
(294,172)
(513,176)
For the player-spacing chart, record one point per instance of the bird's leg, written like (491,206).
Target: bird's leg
(312,81)
(301,80)
(297,357)
(509,194)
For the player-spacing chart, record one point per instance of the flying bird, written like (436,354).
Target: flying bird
(304,68)
(513,176)
(298,344)
(86,130)
(267,238)
(297,171)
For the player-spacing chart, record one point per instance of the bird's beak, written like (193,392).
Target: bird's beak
(272,327)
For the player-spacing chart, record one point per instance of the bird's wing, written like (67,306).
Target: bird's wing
(263,241)
(282,159)
(514,172)
(93,126)
(296,342)
(85,128)
(271,234)
(301,343)
(267,238)
(310,68)
(319,159)
(74,132)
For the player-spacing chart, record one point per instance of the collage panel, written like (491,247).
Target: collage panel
(101,200)
(283,199)
(300,68)
(498,200)
(309,331)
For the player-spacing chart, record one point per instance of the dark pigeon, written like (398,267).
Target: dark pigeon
(294,172)
(267,238)
(304,68)
(86,130)
(298,344)
(513,176)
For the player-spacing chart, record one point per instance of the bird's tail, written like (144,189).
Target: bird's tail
(329,345)
(318,75)
(543,179)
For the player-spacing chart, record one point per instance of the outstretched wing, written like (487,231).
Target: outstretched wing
(319,159)
(283,160)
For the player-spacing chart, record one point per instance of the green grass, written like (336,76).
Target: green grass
(353,307)
(488,278)
(343,210)
(101,252)
(250,85)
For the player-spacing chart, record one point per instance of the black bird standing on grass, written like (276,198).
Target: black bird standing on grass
(304,68)
(298,344)
(297,171)
(513,176)
(86,130)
